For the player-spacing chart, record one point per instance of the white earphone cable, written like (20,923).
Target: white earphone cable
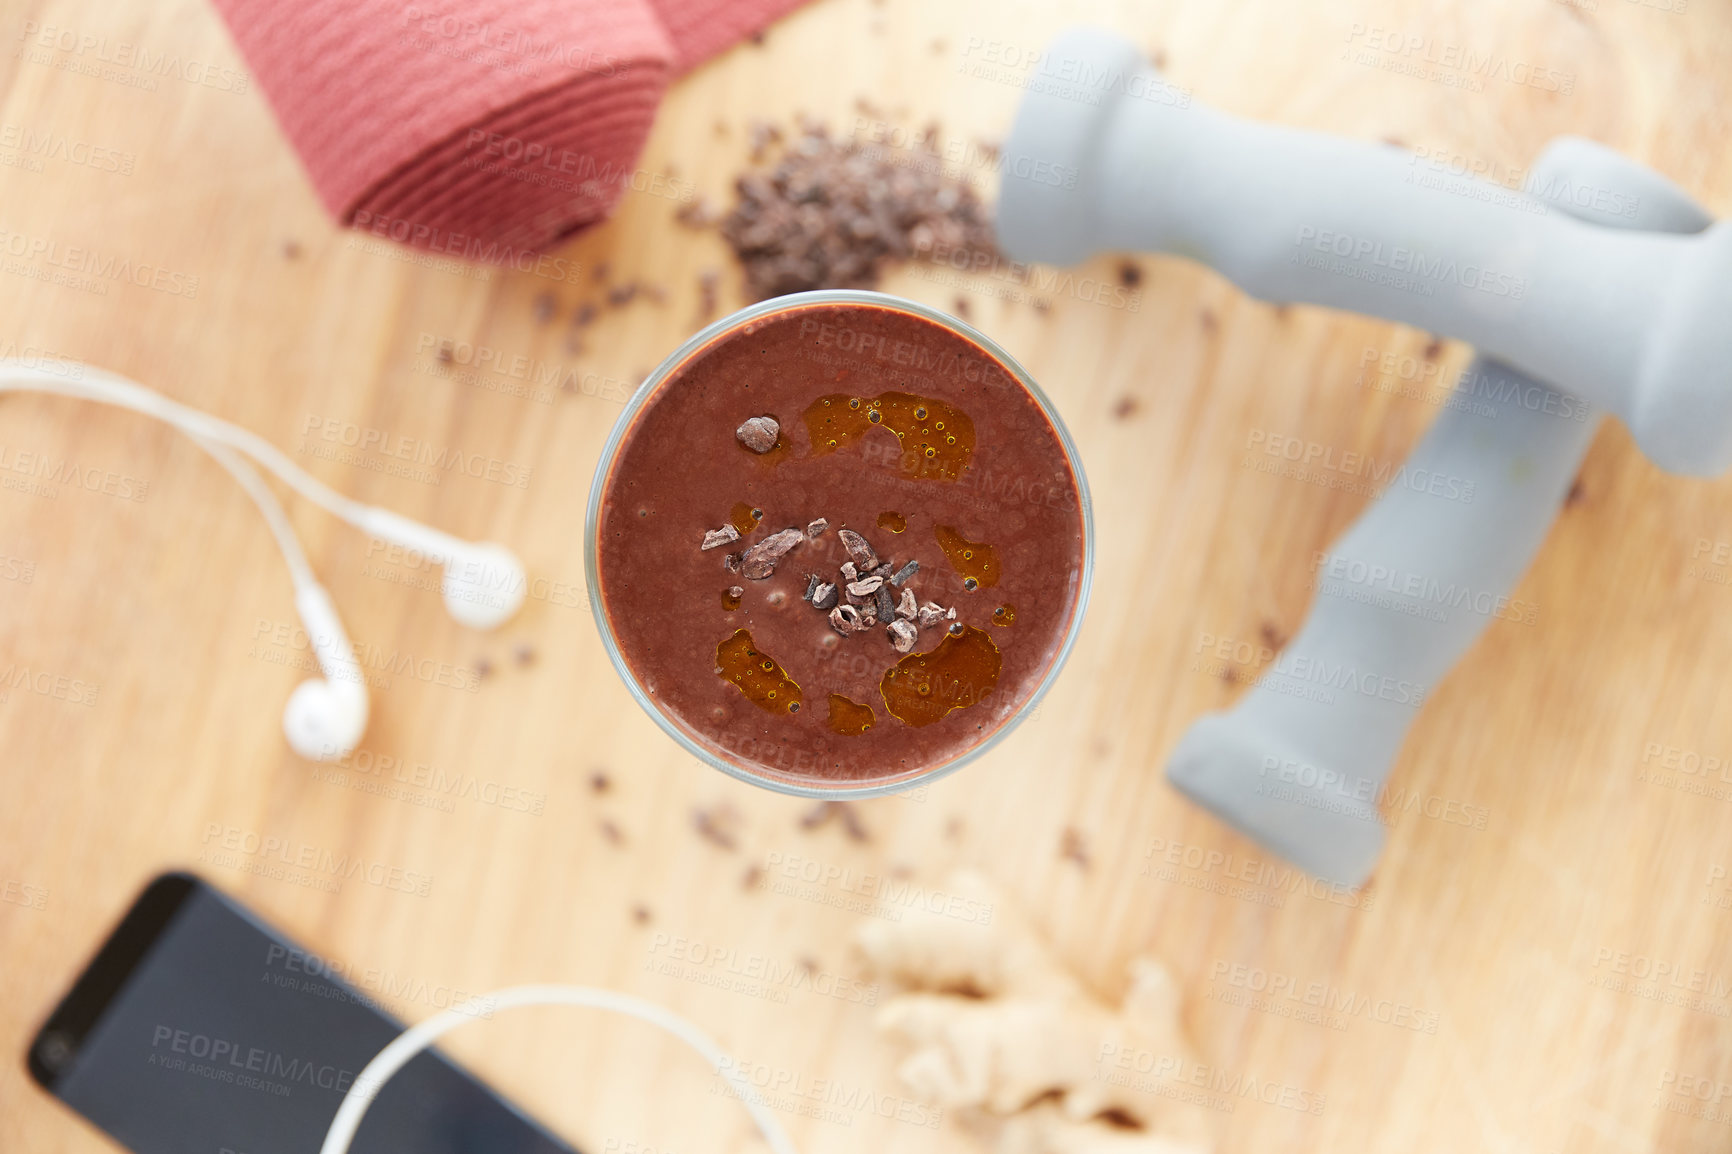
(414,1040)
(113,389)
(300,569)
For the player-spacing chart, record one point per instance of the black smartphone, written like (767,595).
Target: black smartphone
(199,1029)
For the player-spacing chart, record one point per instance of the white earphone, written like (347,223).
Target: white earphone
(484,583)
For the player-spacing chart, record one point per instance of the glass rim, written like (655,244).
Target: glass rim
(627,417)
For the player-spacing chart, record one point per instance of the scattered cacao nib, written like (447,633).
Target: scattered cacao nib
(886,606)
(758,433)
(816,529)
(762,133)
(903,635)
(717,825)
(731,563)
(846,619)
(868,615)
(851,824)
(906,608)
(835,213)
(950,613)
(931,614)
(697,213)
(866,586)
(759,561)
(851,821)
(708,282)
(824,596)
(812,583)
(904,573)
(726,535)
(1074,847)
(736,591)
(849,572)
(883,569)
(859,549)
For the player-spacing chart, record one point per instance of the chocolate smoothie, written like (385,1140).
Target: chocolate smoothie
(840,544)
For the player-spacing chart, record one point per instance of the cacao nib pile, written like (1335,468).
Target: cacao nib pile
(831,213)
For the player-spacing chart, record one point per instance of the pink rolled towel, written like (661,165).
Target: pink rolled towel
(481,129)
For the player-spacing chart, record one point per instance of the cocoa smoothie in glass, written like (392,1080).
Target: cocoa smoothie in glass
(838,543)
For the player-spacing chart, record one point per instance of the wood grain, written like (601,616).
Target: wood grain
(1505,944)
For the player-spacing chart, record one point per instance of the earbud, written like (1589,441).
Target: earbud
(326,716)
(484,584)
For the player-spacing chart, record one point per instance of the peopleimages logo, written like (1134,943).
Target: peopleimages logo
(1317,787)
(1417,594)
(46,683)
(46,144)
(298,855)
(479,37)
(97,55)
(56,473)
(396,447)
(1300,458)
(1397,265)
(445,242)
(88,269)
(229,1059)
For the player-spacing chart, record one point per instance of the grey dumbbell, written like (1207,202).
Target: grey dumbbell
(1104,156)
(1299,763)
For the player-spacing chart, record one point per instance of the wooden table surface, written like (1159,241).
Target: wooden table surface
(1567,952)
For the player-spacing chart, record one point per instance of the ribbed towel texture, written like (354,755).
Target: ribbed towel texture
(482,129)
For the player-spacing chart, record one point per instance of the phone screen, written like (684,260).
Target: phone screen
(198,1029)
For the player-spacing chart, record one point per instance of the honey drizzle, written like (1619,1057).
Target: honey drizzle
(745,518)
(973,559)
(756,674)
(849,718)
(937,438)
(924,687)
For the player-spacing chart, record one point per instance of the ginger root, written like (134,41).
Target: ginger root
(996,1024)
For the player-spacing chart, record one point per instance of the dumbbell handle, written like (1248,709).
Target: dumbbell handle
(1300,762)
(1633,321)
